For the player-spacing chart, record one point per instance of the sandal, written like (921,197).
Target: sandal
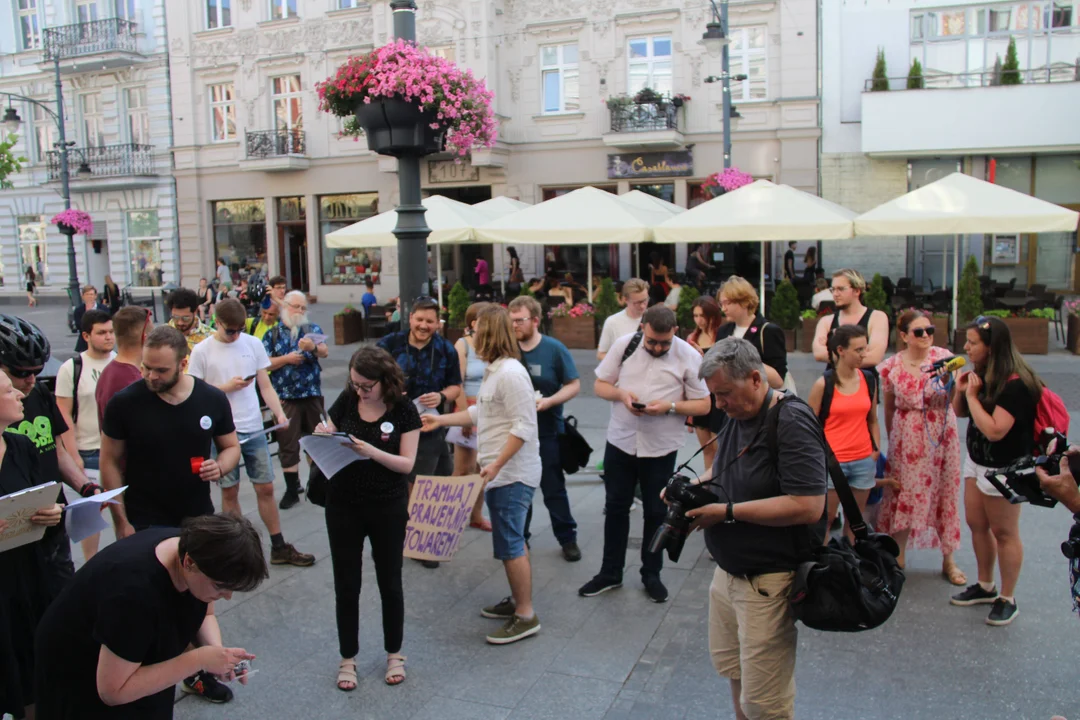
(484,525)
(395,669)
(953,574)
(347,674)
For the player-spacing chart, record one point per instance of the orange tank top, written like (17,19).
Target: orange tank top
(846,428)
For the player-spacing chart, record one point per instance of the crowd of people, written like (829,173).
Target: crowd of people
(166,411)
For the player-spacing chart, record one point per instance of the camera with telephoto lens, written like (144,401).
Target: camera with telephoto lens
(1071,547)
(1018,483)
(681,496)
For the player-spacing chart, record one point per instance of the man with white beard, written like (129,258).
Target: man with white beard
(295,375)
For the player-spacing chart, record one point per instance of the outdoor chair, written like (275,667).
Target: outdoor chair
(941,301)
(1059,315)
(903,283)
(826,305)
(1016,294)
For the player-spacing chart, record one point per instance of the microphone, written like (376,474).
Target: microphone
(947,365)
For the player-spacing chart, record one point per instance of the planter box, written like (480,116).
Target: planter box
(1031,336)
(348,328)
(1072,338)
(806,335)
(941,335)
(453,334)
(579,333)
(789,340)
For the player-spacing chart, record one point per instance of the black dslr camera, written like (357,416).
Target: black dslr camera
(1018,483)
(1071,547)
(681,496)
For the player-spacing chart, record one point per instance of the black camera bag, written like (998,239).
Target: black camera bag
(574,450)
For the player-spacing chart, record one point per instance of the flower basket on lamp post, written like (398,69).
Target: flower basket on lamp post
(574,327)
(73,222)
(726,180)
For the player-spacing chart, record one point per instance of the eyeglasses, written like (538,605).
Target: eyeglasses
(926,331)
(294,306)
(363,387)
(23,373)
(179,318)
(521,321)
(839,288)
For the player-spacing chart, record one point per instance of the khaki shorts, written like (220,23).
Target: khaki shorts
(752,638)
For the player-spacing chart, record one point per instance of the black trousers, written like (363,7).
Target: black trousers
(383,523)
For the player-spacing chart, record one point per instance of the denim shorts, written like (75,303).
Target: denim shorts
(508,506)
(859,474)
(257,461)
(90,459)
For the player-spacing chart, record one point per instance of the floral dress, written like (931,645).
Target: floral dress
(924,455)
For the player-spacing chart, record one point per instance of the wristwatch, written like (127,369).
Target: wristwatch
(442,396)
(671,410)
(730,516)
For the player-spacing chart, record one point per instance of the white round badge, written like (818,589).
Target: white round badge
(205,422)
(387,428)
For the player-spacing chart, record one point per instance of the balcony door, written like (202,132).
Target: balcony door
(93,120)
(86,11)
(288,107)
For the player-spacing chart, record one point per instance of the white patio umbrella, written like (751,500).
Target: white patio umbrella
(586,216)
(450,222)
(961,204)
(760,211)
(495,208)
(649,202)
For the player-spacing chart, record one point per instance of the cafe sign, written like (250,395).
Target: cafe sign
(630,166)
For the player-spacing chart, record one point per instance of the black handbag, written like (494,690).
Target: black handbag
(316,486)
(574,451)
(848,587)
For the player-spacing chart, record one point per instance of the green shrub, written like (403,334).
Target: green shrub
(607,303)
(1010,70)
(914,76)
(1045,313)
(809,314)
(875,295)
(880,81)
(785,306)
(969,303)
(997,313)
(458,303)
(684,313)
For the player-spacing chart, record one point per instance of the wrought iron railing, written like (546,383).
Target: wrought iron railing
(643,117)
(89,38)
(87,163)
(1057,73)
(274,143)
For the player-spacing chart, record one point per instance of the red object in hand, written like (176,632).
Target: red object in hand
(196,465)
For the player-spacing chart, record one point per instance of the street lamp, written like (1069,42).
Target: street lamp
(12,121)
(714,39)
(716,42)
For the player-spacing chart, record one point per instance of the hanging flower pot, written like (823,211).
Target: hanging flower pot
(726,180)
(73,221)
(396,127)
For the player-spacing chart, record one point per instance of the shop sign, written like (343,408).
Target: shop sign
(447,171)
(650,165)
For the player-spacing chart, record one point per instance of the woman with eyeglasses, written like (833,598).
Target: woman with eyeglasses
(472,372)
(1000,396)
(924,447)
(845,401)
(368,499)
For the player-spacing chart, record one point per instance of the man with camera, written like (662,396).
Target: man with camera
(769,474)
(1063,487)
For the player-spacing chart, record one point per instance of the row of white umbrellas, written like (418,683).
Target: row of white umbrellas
(761,211)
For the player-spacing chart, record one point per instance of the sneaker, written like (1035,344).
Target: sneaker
(288,500)
(207,687)
(1002,613)
(598,585)
(636,505)
(288,555)
(571,552)
(974,595)
(654,588)
(516,628)
(502,610)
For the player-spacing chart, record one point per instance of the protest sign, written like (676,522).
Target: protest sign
(439,511)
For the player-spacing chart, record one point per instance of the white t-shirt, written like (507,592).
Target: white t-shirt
(819,297)
(615,327)
(87,434)
(217,362)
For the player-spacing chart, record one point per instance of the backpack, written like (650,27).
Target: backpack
(1050,412)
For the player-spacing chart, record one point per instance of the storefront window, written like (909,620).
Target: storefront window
(1057,179)
(549,193)
(144,241)
(33,251)
(562,259)
(696,193)
(664,191)
(348,266)
(240,234)
(1014,173)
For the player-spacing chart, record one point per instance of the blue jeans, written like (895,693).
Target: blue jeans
(859,474)
(622,474)
(508,505)
(90,459)
(553,486)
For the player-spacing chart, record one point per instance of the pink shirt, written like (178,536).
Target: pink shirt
(483,275)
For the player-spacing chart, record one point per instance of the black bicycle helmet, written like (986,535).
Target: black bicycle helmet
(22,344)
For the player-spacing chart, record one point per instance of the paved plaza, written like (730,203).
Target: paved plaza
(619,656)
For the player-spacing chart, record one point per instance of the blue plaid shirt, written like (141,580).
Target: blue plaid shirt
(429,369)
(293,382)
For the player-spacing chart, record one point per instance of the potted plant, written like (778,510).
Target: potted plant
(73,221)
(785,312)
(648,96)
(348,325)
(1010,70)
(409,102)
(879,80)
(619,102)
(457,304)
(607,302)
(969,304)
(807,329)
(1030,329)
(1071,308)
(915,77)
(684,313)
(574,327)
(726,180)
(678,99)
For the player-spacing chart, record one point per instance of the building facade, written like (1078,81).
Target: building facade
(262,176)
(962,113)
(114,74)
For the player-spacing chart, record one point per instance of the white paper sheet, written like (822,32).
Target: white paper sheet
(16,510)
(424,410)
(316,338)
(282,426)
(329,453)
(455,436)
(83,517)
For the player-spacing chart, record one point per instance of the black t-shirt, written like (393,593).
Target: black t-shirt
(789,265)
(125,600)
(366,479)
(42,423)
(1019,441)
(160,442)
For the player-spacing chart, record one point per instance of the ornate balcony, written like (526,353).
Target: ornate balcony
(105,167)
(100,44)
(653,124)
(280,150)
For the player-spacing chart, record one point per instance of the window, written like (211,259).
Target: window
(559,78)
(748,55)
(222,113)
(138,116)
(347,266)
(218,14)
(346,4)
(144,243)
(282,9)
(33,250)
(93,121)
(288,103)
(86,10)
(1059,14)
(29,24)
(240,233)
(444,51)
(650,64)
(125,9)
(947,24)
(916,27)
(44,132)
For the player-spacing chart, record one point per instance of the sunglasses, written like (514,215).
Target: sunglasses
(23,373)
(983,323)
(924,332)
(232,332)
(649,342)
(181,318)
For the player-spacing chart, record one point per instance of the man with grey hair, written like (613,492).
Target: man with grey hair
(769,474)
(295,346)
(651,378)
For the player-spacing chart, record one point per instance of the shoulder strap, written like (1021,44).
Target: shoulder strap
(76,371)
(826,398)
(871,382)
(632,346)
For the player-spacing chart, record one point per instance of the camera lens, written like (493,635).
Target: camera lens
(1069,548)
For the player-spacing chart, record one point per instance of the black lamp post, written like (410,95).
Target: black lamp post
(716,41)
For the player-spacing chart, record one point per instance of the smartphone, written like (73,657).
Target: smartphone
(249,377)
(637,406)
